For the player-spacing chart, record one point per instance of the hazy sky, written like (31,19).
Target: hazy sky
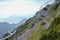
(19,7)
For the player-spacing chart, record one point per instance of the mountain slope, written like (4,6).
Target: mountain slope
(4,28)
(47,27)
(49,12)
(53,31)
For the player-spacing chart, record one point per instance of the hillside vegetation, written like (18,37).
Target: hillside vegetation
(48,27)
(53,31)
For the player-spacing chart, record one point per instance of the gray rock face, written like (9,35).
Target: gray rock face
(46,26)
(56,1)
(43,12)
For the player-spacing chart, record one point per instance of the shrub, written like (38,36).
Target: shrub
(56,6)
(43,23)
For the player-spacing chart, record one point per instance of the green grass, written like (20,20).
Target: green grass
(53,10)
(28,25)
(54,30)
(36,33)
(11,38)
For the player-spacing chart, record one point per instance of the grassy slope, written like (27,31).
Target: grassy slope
(53,11)
(28,24)
(37,33)
(52,33)
(54,30)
